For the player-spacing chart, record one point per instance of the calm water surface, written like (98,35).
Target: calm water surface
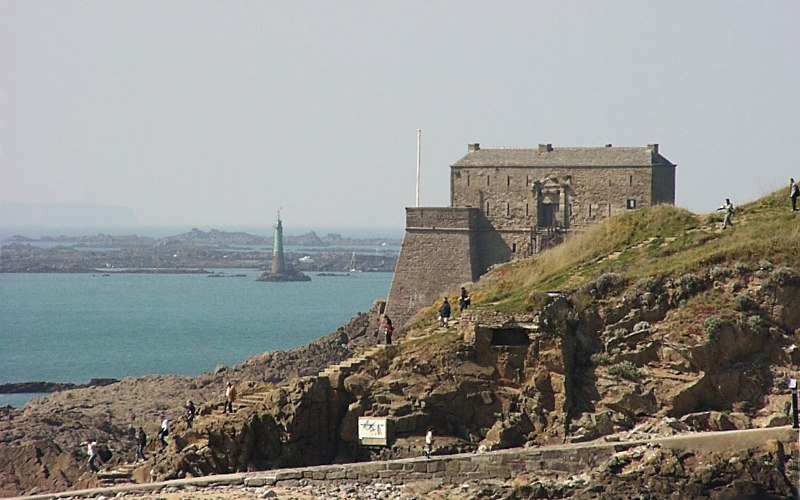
(74,327)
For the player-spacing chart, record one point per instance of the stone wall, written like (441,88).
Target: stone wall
(583,195)
(439,252)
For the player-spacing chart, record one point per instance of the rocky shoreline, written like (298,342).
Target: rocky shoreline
(48,387)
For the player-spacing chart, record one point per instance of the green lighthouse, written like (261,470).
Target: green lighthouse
(278,266)
(279,271)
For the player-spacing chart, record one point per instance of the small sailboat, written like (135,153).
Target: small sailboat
(353,263)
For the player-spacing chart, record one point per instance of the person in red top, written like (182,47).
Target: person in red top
(389,330)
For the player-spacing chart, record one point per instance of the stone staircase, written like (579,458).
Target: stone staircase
(337,373)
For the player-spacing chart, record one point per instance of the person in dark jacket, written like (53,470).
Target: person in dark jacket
(444,312)
(464,299)
(141,442)
(190,413)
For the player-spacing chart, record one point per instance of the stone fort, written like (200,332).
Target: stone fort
(508,203)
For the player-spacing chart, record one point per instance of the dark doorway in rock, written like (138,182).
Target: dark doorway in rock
(514,337)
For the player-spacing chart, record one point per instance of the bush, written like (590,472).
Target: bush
(601,359)
(742,269)
(784,276)
(650,284)
(720,273)
(744,303)
(690,284)
(713,326)
(756,323)
(626,370)
(764,265)
(641,326)
(620,332)
(605,284)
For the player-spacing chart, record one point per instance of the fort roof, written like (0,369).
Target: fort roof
(548,156)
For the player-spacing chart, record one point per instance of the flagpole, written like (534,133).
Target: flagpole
(419,140)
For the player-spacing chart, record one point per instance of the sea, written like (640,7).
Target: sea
(75,327)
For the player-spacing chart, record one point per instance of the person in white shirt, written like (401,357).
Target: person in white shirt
(92,451)
(429,442)
(164,432)
(230,397)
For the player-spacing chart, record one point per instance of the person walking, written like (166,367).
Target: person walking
(444,312)
(230,397)
(428,443)
(794,192)
(190,413)
(141,442)
(92,451)
(164,432)
(388,330)
(728,208)
(464,300)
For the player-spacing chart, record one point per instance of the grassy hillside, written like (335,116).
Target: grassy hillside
(660,242)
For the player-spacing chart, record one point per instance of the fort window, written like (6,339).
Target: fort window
(527,181)
(527,209)
(508,209)
(467,180)
(590,209)
(513,248)
(513,337)
(630,204)
(508,181)
(487,208)
(487,179)
(630,180)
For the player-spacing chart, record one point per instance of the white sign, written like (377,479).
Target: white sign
(372,431)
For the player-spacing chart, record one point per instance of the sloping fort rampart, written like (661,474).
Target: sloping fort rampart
(508,203)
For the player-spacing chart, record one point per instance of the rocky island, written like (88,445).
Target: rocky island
(646,358)
(280,271)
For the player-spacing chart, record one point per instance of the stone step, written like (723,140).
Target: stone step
(250,398)
(113,475)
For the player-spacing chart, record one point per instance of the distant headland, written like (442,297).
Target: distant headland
(194,252)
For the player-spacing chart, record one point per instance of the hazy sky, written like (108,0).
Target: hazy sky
(216,114)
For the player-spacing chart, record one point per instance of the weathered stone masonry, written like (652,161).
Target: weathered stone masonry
(514,202)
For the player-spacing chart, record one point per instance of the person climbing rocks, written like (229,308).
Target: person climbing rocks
(428,443)
(163,432)
(92,451)
(230,397)
(794,192)
(728,208)
(464,300)
(191,411)
(141,442)
(388,330)
(444,312)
